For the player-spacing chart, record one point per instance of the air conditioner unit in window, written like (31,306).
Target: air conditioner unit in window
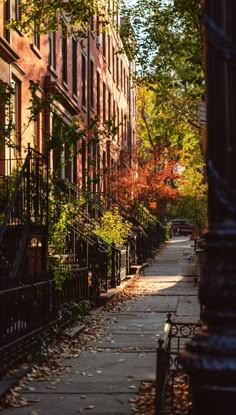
(99,41)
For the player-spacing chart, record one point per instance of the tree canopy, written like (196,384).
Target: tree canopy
(170,80)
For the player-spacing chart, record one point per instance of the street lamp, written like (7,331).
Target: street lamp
(210,359)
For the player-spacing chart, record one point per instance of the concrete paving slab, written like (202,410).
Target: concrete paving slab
(86,387)
(155,279)
(162,271)
(90,375)
(138,327)
(175,288)
(133,341)
(68,404)
(136,322)
(158,303)
(188,306)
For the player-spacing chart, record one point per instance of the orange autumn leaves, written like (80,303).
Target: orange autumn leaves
(147,180)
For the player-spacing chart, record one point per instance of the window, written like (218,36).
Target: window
(109,106)
(83,74)
(63,161)
(36,38)
(104,168)
(114,114)
(98,93)
(121,74)
(7,17)
(117,11)
(122,126)
(113,62)
(92,24)
(91,84)
(118,125)
(113,10)
(17,10)
(15,114)
(2,123)
(117,71)
(64,54)
(95,168)
(125,126)
(69,165)
(98,25)
(74,65)
(109,51)
(37,141)
(124,81)
(104,101)
(109,7)
(52,50)
(104,41)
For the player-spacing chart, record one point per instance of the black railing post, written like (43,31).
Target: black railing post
(210,358)
(113,265)
(28,193)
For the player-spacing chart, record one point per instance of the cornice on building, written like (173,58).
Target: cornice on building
(6,51)
(66,100)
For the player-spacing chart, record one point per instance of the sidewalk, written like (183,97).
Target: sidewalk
(105,377)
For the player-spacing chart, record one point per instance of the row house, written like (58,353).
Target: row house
(67,108)
(91,79)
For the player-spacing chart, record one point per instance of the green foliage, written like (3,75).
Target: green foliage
(168,233)
(192,203)
(7,128)
(144,215)
(111,227)
(49,15)
(128,38)
(170,66)
(169,38)
(7,190)
(61,218)
(73,311)
(170,84)
(192,208)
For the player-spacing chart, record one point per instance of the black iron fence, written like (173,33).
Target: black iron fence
(173,389)
(32,313)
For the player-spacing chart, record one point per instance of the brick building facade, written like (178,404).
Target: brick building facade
(91,80)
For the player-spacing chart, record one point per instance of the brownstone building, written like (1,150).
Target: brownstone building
(91,80)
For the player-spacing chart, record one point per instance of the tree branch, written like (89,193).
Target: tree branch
(144,117)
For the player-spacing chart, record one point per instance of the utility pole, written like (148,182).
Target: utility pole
(210,359)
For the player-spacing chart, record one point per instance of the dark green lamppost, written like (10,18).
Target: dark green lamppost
(210,358)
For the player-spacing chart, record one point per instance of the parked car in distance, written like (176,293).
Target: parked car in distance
(181,227)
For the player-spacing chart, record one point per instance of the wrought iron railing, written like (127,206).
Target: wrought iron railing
(27,192)
(173,389)
(24,203)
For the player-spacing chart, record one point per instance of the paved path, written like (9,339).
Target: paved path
(106,377)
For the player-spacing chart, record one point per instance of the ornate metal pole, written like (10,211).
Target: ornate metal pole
(210,358)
